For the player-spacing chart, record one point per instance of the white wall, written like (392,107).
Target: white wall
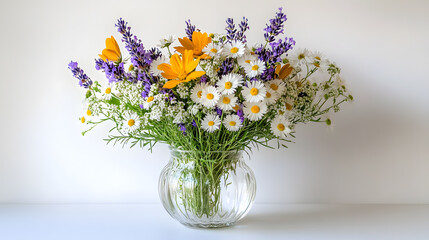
(377,152)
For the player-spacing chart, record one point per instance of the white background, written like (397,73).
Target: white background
(377,152)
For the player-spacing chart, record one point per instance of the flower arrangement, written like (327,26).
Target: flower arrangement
(210,92)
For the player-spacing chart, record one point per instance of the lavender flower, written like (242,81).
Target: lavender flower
(240,114)
(275,27)
(194,123)
(139,56)
(243,27)
(230,30)
(218,111)
(84,80)
(226,67)
(203,79)
(114,72)
(189,29)
(182,128)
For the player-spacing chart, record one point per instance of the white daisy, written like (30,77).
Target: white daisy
(280,127)
(276,85)
(228,83)
(254,92)
(197,92)
(234,49)
(154,66)
(131,122)
(232,123)
(211,122)
(227,102)
(148,102)
(254,68)
(254,111)
(245,60)
(107,95)
(271,96)
(86,116)
(299,56)
(212,49)
(166,41)
(210,96)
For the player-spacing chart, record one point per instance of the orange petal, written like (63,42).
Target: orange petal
(192,65)
(187,58)
(285,71)
(278,69)
(111,55)
(186,43)
(168,71)
(113,45)
(194,75)
(180,49)
(171,84)
(176,63)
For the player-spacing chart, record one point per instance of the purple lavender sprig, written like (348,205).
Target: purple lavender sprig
(243,27)
(84,80)
(275,27)
(139,56)
(226,67)
(189,29)
(230,30)
(182,128)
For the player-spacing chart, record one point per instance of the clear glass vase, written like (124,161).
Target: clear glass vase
(207,189)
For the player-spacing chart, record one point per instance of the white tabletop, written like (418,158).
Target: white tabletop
(265,221)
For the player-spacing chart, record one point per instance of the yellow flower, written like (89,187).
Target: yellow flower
(112,51)
(180,70)
(198,43)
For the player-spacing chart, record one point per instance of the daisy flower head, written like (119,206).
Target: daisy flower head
(299,56)
(227,102)
(232,123)
(254,92)
(210,123)
(86,116)
(245,60)
(212,49)
(234,49)
(148,102)
(210,96)
(254,68)
(254,111)
(131,122)
(107,95)
(276,85)
(280,127)
(271,96)
(166,41)
(154,66)
(197,92)
(228,83)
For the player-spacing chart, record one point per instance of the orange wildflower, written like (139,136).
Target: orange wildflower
(180,69)
(112,51)
(198,43)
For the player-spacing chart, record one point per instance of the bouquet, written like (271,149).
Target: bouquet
(206,93)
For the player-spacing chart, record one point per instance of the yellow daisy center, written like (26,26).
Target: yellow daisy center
(247,61)
(82,119)
(88,112)
(236,107)
(316,64)
(232,123)
(131,122)
(254,91)
(301,56)
(150,99)
(255,67)
(288,106)
(210,96)
(234,50)
(274,86)
(268,95)
(318,58)
(228,85)
(281,127)
(255,109)
(210,123)
(226,100)
(199,94)
(213,50)
(108,90)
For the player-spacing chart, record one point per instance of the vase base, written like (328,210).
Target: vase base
(209,225)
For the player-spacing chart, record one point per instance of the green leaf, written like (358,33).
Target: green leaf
(114,100)
(88,94)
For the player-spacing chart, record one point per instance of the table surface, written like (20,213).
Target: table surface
(264,221)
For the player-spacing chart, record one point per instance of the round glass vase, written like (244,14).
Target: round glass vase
(207,189)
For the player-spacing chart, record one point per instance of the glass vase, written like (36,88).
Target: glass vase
(207,189)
